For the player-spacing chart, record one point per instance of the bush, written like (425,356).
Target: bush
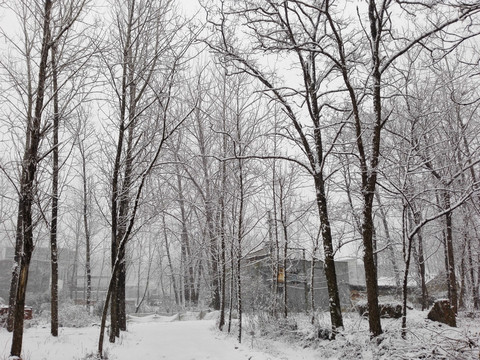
(69,315)
(267,325)
(387,310)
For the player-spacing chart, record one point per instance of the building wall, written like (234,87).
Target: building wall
(39,272)
(258,280)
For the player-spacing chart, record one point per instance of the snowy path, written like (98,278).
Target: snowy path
(182,340)
(177,340)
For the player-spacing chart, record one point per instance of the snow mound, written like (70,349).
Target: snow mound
(186,316)
(146,318)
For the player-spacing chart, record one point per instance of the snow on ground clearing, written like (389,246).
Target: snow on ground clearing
(180,337)
(151,337)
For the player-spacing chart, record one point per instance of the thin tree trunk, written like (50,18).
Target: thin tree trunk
(209,217)
(15,270)
(169,259)
(73,277)
(86,229)
(223,249)
(461,297)
(472,273)
(405,287)
(149,267)
(276,267)
(232,284)
(386,228)
(189,283)
(312,288)
(54,221)
(415,219)
(223,260)
(285,251)
(421,263)
(450,254)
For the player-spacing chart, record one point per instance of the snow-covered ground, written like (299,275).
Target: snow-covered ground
(151,337)
(156,337)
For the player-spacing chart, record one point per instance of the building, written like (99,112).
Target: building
(39,271)
(258,279)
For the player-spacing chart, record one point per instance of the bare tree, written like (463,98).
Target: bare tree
(379,49)
(277,28)
(141,61)
(54,27)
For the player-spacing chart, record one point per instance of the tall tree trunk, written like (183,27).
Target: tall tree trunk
(472,273)
(27,185)
(405,285)
(86,228)
(15,270)
(188,274)
(116,192)
(232,281)
(149,267)
(285,249)
(223,260)
(461,297)
(276,255)
(329,264)
(124,196)
(415,219)
(54,221)
(421,263)
(312,287)
(223,249)
(169,259)
(209,216)
(239,252)
(391,249)
(450,255)
(73,277)
(370,269)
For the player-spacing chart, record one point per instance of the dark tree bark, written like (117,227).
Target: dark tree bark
(27,185)
(223,250)
(55,196)
(450,255)
(239,248)
(472,274)
(232,284)
(283,220)
(116,187)
(86,226)
(15,271)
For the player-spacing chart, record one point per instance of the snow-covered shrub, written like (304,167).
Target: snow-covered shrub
(265,325)
(69,315)
(388,310)
(98,308)
(94,356)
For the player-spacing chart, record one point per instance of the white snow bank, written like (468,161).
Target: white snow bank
(157,337)
(187,316)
